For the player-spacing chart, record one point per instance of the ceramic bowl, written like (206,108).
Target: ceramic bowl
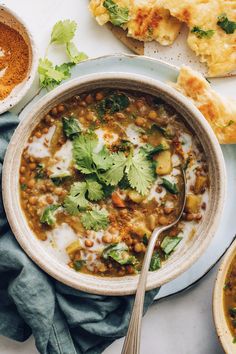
(222,327)
(182,258)
(9,18)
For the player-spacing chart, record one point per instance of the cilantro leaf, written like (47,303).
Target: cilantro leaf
(95,219)
(139,173)
(48,215)
(40,171)
(23,186)
(94,190)
(118,15)
(111,104)
(160,129)
(78,264)
(59,178)
(169,244)
(230,122)
(83,147)
(170,187)
(155,262)
(76,198)
(70,127)
(49,77)
(116,172)
(102,159)
(73,53)
(120,253)
(65,69)
(149,150)
(228,26)
(200,33)
(63,32)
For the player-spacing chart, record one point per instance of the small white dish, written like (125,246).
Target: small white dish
(9,18)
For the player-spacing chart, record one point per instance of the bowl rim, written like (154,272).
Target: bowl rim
(221,325)
(10,101)
(130,283)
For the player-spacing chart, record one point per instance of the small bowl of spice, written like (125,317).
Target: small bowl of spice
(18,59)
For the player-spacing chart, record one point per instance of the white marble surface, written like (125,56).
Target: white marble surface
(179,325)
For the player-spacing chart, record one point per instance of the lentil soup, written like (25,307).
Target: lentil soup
(102,170)
(230,298)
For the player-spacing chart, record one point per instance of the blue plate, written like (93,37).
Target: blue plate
(165,72)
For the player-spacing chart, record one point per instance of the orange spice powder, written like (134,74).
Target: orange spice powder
(14,59)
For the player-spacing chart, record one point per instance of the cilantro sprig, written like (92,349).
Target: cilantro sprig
(110,168)
(51,75)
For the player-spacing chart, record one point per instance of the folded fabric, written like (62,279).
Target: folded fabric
(62,320)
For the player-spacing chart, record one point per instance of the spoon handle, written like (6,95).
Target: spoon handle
(132,340)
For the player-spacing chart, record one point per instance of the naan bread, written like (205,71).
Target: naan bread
(219,51)
(147,20)
(220,112)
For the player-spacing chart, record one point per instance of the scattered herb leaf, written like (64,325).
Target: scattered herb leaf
(155,262)
(170,187)
(232,312)
(40,171)
(200,33)
(111,104)
(169,244)
(70,127)
(118,15)
(228,26)
(48,215)
(149,150)
(78,264)
(120,253)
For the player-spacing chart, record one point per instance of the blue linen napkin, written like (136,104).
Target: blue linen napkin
(62,320)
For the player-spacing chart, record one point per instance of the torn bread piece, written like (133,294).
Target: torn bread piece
(143,20)
(220,112)
(212,37)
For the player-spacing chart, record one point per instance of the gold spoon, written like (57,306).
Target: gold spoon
(132,339)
